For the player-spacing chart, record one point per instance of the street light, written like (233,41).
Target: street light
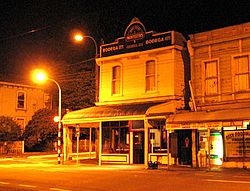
(40,77)
(78,37)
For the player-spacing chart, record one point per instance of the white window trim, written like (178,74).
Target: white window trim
(156,76)
(204,78)
(121,80)
(234,70)
(25,100)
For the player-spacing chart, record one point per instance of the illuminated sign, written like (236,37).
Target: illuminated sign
(136,39)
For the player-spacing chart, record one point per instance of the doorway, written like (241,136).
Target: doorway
(185,147)
(138,147)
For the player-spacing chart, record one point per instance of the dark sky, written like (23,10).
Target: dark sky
(36,33)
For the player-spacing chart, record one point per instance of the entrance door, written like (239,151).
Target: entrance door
(185,147)
(138,147)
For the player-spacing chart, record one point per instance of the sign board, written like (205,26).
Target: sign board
(136,39)
(236,142)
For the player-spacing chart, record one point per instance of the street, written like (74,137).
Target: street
(42,176)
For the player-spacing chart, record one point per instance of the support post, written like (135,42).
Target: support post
(100,144)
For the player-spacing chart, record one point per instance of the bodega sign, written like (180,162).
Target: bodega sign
(136,39)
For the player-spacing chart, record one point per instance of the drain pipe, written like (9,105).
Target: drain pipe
(192,94)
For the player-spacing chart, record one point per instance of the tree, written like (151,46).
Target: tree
(9,129)
(41,131)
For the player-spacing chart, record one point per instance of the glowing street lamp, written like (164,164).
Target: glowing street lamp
(40,76)
(78,37)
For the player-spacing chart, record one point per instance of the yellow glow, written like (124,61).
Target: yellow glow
(78,37)
(56,119)
(39,76)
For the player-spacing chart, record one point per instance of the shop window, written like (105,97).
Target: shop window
(21,100)
(158,140)
(211,77)
(115,140)
(150,75)
(116,80)
(241,64)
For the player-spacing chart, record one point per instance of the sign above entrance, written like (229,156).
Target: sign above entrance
(136,39)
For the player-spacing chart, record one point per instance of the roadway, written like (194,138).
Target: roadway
(27,176)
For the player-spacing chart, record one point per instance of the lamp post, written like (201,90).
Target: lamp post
(79,38)
(40,76)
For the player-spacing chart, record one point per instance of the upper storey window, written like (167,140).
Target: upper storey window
(116,80)
(241,72)
(211,77)
(150,75)
(21,100)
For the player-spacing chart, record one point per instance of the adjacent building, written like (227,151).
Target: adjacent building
(220,85)
(21,101)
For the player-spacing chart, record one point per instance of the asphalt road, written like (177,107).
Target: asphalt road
(40,176)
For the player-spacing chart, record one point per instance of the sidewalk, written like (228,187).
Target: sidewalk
(50,158)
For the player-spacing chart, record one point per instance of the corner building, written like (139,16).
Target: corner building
(142,81)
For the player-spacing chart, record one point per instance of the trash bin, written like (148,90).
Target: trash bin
(152,165)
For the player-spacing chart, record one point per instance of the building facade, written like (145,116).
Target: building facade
(21,101)
(220,86)
(141,82)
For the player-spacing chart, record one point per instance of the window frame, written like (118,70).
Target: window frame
(113,80)
(24,100)
(235,74)
(154,75)
(205,79)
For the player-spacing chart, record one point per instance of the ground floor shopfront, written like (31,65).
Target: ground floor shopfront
(138,134)
(221,137)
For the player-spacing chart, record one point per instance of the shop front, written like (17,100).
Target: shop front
(124,134)
(217,138)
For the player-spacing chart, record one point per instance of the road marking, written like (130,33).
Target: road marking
(228,181)
(58,189)
(26,185)
(4,183)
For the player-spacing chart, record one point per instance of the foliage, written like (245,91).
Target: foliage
(9,129)
(41,131)
(78,87)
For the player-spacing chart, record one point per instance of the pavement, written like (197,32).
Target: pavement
(44,159)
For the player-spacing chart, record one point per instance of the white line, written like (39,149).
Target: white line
(58,189)
(26,185)
(228,181)
(4,183)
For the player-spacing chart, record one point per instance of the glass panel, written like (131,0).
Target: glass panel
(150,75)
(115,140)
(20,100)
(116,80)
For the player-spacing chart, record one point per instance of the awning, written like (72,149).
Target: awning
(117,112)
(239,114)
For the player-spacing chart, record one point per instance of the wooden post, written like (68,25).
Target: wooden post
(100,144)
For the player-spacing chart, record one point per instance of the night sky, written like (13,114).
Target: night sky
(37,33)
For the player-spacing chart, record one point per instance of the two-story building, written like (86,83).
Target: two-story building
(220,86)
(141,82)
(21,101)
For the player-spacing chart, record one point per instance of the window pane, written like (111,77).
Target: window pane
(116,80)
(211,78)
(20,100)
(150,75)
(150,67)
(241,73)
(211,86)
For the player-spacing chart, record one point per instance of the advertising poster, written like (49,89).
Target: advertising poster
(236,142)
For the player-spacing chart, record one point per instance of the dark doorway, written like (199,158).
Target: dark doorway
(138,147)
(185,147)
